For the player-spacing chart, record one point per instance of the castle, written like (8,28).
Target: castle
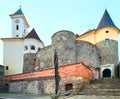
(92,55)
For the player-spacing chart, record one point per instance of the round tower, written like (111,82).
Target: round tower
(87,53)
(64,43)
(107,42)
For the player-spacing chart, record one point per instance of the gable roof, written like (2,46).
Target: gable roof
(33,35)
(106,21)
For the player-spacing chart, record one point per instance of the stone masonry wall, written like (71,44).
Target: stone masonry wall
(77,82)
(108,53)
(45,58)
(88,54)
(38,86)
(28,65)
(46,85)
(64,43)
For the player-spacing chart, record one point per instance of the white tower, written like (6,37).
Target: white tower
(14,46)
(19,24)
(21,46)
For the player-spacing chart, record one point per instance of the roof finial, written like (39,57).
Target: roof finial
(20,6)
(105,7)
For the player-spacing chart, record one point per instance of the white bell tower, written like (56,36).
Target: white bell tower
(19,24)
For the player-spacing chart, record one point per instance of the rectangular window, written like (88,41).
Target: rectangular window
(107,42)
(7,68)
(17,27)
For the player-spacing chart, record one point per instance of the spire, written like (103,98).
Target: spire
(106,20)
(19,11)
(33,35)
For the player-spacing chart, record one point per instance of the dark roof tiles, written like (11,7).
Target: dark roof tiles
(106,21)
(33,35)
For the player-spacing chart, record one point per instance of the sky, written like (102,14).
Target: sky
(49,16)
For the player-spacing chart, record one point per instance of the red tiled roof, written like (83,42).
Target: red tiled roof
(74,70)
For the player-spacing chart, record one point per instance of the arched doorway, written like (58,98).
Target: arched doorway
(106,73)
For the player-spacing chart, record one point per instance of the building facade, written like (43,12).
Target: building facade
(19,45)
(92,55)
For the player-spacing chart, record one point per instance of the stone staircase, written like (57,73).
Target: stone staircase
(102,87)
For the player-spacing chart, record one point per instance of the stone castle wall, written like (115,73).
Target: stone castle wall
(64,43)
(37,85)
(88,54)
(45,56)
(108,53)
(46,85)
(28,65)
(69,51)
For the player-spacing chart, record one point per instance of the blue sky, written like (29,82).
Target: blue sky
(50,16)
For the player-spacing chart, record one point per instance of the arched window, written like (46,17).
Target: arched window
(25,48)
(32,47)
(17,27)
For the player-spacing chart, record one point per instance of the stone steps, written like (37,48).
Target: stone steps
(102,87)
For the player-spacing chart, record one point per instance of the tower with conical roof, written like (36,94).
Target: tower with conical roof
(105,38)
(106,21)
(107,43)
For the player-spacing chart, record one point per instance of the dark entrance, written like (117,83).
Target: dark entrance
(68,87)
(107,73)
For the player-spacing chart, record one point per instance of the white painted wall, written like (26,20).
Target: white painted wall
(22,28)
(29,42)
(13,56)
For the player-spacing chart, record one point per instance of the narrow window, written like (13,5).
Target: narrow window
(7,68)
(107,42)
(17,27)
(32,47)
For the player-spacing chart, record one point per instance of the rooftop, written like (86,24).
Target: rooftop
(106,21)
